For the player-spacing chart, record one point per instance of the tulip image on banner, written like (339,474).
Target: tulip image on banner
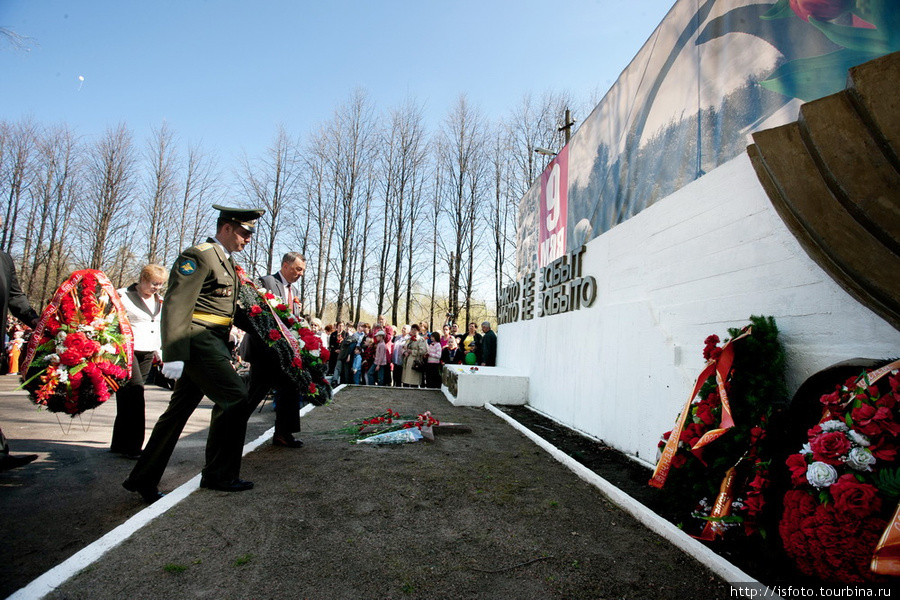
(554,209)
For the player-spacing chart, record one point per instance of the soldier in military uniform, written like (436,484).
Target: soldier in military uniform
(197,314)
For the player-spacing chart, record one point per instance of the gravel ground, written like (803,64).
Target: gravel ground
(479,515)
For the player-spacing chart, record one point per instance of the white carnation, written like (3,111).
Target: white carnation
(821,475)
(834,425)
(315,352)
(53,359)
(806,449)
(858,439)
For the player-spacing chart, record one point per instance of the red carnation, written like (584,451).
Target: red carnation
(754,503)
(282,307)
(888,401)
(705,413)
(797,465)
(255,310)
(884,451)
(830,447)
(296,362)
(274,334)
(324,354)
(831,400)
(691,434)
(756,434)
(312,388)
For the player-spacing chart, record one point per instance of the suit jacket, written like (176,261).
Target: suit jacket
(489,348)
(12,298)
(203,280)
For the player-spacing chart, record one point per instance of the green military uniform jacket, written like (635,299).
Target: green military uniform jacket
(202,293)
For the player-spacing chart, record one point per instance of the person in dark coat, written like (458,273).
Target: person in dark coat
(488,345)
(14,300)
(262,368)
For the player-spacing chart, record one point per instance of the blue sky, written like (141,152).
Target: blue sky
(225,73)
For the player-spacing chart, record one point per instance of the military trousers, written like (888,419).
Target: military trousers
(209,373)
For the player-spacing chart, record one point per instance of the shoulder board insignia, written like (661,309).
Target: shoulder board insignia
(187,266)
(204,246)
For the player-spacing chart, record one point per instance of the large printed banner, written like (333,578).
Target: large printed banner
(712,73)
(554,203)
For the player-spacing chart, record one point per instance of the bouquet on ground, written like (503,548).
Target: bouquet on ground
(846,480)
(81,350)
(381,428)
(298,350)
(714,464)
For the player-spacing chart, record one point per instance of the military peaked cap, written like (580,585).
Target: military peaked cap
(245,217)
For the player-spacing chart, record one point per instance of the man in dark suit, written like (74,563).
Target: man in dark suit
(287,402)
(12,299)
(488,345)
(196,321)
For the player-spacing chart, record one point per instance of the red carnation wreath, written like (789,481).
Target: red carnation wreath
(847,480)
(81,350)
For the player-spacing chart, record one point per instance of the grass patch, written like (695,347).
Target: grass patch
(243,560)
(174,568)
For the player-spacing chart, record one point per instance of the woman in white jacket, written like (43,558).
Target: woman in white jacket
(143,305)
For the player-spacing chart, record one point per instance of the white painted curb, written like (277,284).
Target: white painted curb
(62,572)
(647,517)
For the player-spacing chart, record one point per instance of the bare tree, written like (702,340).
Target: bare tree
(320,210)
(16,41)
(53,198)
(161,156)
(197,191)
(534,124)
(503,216)
(402,170)
(353,135)
(17,144)
(110,173)
(461,158)
(273,185)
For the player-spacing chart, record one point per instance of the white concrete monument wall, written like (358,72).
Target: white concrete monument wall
(700,261)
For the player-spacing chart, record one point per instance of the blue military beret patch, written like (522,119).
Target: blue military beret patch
(187,267)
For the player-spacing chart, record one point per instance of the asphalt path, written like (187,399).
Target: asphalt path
(72,494)
(484,514)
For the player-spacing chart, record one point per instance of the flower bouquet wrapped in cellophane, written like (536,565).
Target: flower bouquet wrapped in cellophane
(81,350)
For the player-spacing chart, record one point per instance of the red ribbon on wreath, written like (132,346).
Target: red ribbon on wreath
(721,368)
(285,331)
(68,287)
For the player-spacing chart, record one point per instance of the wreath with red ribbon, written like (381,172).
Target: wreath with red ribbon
(81,350)
(714,464)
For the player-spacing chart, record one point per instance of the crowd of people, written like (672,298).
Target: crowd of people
(191,337)
(412,356)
